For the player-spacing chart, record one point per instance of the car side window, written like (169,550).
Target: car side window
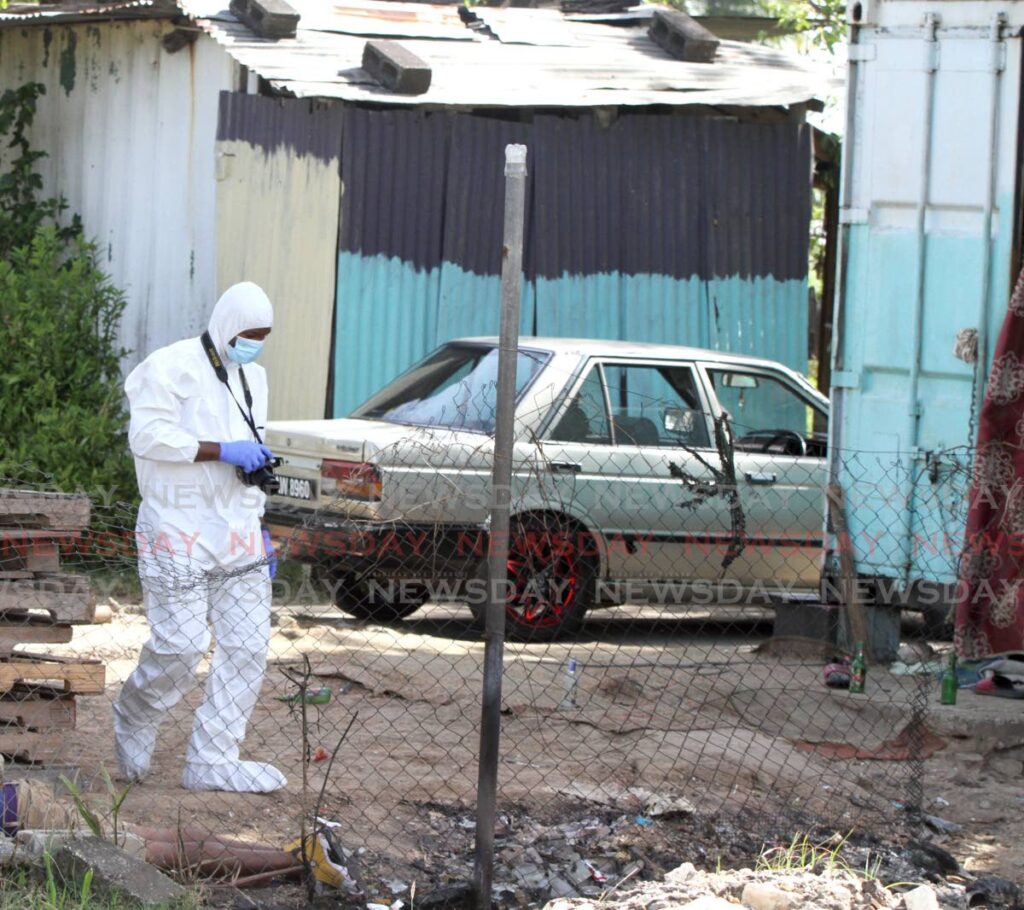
(656,406)
(586,418)
(767,415)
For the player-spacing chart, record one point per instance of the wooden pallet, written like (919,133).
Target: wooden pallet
(53,511)
(39,604)
(20,554)
(73,675)
(67,599)
(31,746)
(36,709)
(30,630)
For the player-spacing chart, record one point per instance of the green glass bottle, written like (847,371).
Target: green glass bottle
(858,669)
(950,683)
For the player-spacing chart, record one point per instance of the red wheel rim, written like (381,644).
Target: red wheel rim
(544,574)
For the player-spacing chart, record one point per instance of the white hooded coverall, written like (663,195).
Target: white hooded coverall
(201,557)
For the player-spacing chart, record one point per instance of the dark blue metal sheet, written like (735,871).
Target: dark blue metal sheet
(304,127)
(657,194)
(394,171)
(671,195)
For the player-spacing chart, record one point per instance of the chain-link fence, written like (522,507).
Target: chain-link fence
(678,656)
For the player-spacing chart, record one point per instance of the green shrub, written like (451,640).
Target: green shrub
(62,410)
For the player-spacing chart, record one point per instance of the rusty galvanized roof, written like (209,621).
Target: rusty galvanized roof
(480,57)
(86,10)
(507,58)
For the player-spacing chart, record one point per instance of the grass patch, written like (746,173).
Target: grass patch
(43,888)
(28,889)
(802,854)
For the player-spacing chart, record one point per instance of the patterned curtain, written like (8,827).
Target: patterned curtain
(990,608)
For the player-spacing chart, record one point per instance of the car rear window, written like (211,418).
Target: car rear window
(454,388)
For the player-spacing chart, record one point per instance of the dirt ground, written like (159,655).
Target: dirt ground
(668,712)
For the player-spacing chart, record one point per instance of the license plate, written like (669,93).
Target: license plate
(297,487)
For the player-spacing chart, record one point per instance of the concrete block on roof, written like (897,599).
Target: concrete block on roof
(682,36)
(267,18)
(396,67)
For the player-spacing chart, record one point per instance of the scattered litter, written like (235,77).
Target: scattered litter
(397,886)
(837,674)
(939,801)
(919,668)
(378,907)
(319,696)
(940,825)
(643,821)
(659,805)
(596,874)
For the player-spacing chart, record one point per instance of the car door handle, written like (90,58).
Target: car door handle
(564,467)
(761,478)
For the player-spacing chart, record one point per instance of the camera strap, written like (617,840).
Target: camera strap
(222,375)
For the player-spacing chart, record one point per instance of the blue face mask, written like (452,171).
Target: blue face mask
(244,350)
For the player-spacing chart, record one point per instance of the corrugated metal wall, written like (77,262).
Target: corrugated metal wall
(130,133)
(899,407)
(391,233)
(278,194)
(669,228)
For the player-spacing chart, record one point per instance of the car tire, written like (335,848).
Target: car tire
(552,568)
(359,599)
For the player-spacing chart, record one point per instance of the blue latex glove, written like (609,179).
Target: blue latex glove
(268,551)
(245,455)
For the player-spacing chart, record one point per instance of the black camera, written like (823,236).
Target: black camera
(263,477)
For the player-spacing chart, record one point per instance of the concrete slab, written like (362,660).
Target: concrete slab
(115,872)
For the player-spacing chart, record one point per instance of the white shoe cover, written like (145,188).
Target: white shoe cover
(235,777)
(133,746)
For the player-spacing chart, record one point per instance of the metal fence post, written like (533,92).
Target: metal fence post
(501,484)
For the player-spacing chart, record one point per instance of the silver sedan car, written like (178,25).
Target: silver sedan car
(641,473)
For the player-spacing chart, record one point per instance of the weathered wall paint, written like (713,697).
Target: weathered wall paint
(278,194)
(655,228)
(130,132)
(906,515)
(390,314)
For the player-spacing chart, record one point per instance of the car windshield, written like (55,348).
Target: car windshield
(455,388)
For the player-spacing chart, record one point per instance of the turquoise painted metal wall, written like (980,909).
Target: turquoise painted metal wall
(382,334)
(903,458)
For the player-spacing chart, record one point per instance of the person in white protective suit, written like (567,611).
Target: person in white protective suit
(197,413)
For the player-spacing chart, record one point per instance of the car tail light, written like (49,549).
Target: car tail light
(355,479)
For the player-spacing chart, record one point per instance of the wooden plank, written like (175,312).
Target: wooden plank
(16,535)
(29,556)
(848,569)
(30,746)
(38,709)
(32,509)
(77,676)
(42,559)
(31,633)
(67,599)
